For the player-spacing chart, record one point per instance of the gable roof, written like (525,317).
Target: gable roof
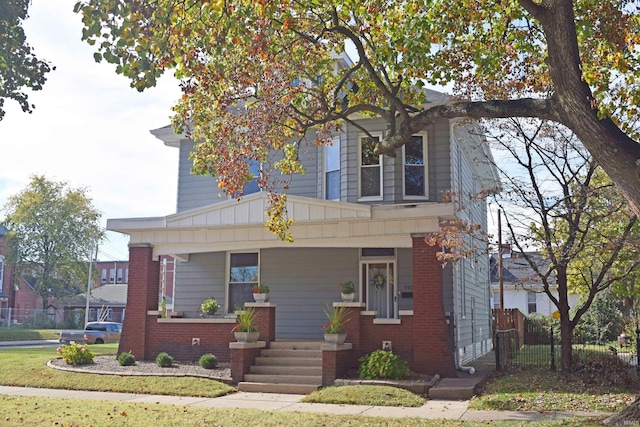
(516,270)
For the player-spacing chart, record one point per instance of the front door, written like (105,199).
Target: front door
(379,288)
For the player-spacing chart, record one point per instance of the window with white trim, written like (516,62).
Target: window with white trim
(332,170)
(370,168)
(532,306)
(103,276)
(414,157)
(244,274)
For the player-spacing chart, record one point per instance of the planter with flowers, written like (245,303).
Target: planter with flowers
(246,329)
(334,332)
(209,307)
(348,291)
(261,293)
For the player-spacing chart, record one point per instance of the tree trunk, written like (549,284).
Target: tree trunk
(629,416)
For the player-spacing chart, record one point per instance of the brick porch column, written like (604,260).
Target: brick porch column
(142,295)
(266,318)
(432,347)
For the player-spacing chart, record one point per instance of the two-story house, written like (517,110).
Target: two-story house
(357,217)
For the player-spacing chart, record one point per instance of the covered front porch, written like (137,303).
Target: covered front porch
(334,242)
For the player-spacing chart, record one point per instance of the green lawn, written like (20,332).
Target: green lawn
(35,411)
(28,369)
(20,334)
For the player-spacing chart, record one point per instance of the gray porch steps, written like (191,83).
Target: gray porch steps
(290,367)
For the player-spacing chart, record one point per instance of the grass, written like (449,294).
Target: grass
(28,369)
(543,390)
(365,395)
(529,389)
(27,411)
(20,334)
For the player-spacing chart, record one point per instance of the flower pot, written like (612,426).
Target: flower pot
(247,336)
(348,297)
(335,339)
(260,297)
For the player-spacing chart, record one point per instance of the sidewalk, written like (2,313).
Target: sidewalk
(433,409)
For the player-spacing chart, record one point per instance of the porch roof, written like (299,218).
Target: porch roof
(236,225)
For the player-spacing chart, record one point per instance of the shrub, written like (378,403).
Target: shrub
(76,354)
(208,361)
(382,364)
(126,359)
(164,360)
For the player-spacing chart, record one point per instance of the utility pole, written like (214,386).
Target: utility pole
(91,261)
(500,282)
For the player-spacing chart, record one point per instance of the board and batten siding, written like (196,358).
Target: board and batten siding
(200,278)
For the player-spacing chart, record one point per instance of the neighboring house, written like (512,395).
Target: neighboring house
(357,217)
(109,300)
(522,288)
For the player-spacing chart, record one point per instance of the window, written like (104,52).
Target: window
(415,161)
(496,300)
(370,165)
(1,272)
(252,186)
(103,277)
(126,275)
(112,275)
(243,275)
(531,302)
(119,275)
(332,170)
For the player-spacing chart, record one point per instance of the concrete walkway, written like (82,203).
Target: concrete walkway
(433,409)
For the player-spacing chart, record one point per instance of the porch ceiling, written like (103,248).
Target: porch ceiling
(237,225)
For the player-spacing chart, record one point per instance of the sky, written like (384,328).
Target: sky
(89,129)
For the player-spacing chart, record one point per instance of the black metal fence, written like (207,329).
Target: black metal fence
(540,347)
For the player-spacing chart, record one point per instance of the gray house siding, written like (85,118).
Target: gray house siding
(200,278)
(303,282)
(194,191)
(470,275)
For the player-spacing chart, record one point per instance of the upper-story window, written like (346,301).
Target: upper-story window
(119,277)
(103,276)
(370,167)
(252,186)
(332,170)
(415,167)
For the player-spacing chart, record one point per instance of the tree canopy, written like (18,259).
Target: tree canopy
(262,73)
(52,229)
(20,69)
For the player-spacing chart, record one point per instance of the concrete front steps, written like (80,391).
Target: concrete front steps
(290,367)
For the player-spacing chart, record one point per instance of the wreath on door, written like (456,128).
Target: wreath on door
(378,280)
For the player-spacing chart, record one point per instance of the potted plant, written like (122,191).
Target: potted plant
(334,332)
(261,293)
(209,307)
(348,291)
(246,329)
